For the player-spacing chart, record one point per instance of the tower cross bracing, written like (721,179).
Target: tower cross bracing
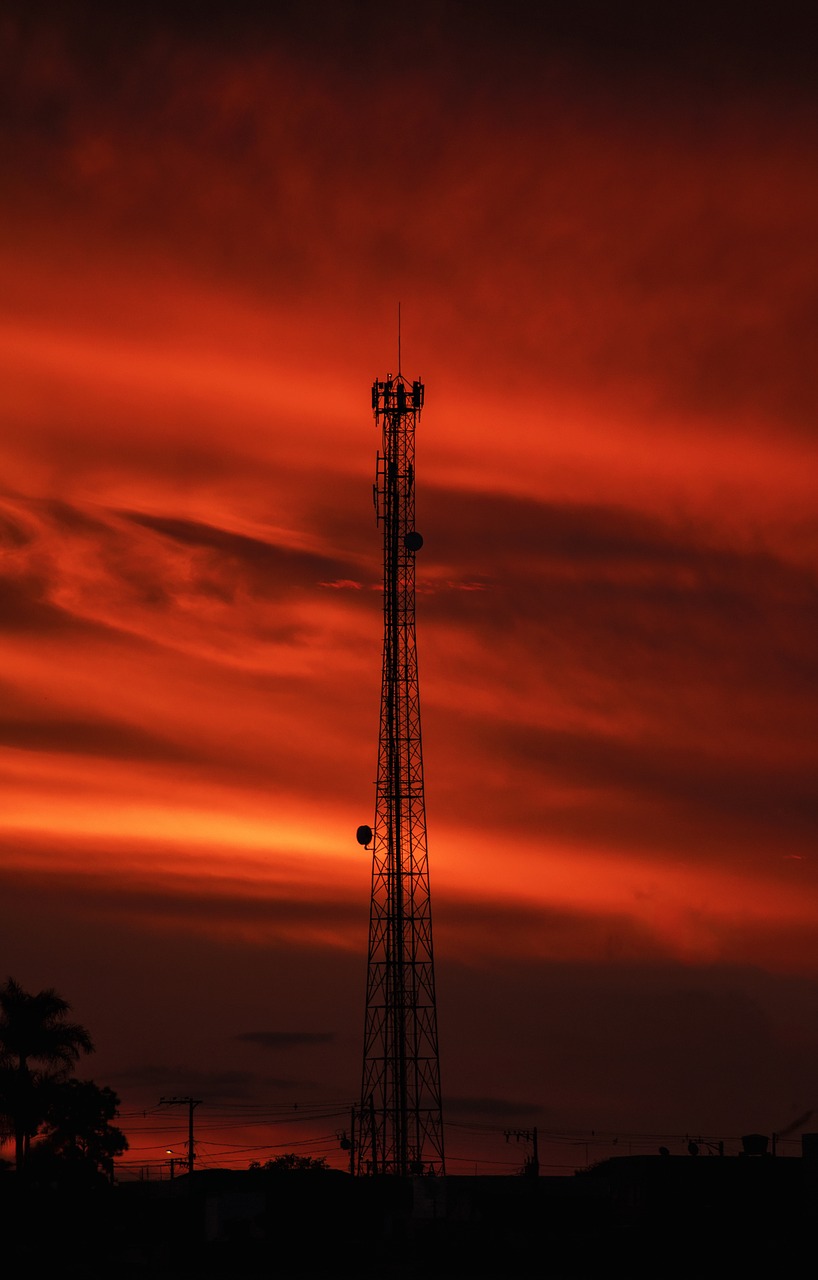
(401,1126)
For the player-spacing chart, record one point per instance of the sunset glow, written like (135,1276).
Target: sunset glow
(605,259)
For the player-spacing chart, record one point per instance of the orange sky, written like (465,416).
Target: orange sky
(601,236)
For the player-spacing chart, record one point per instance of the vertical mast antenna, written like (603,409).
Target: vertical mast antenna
(401,1123)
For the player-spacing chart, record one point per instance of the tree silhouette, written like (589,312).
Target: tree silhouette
(78,1142)
(292,1163)
(34,1029)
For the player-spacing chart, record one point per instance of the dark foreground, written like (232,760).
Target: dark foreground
(641,1216)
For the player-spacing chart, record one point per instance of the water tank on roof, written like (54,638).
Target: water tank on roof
(754,1144)
(809,1145)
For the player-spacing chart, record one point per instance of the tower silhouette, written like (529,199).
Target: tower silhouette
(400,1127)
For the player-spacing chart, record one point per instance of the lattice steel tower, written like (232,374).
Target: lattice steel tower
(400,1129)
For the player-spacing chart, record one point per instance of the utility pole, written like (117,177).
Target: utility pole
(531,1167)
(190,1103)
(400,1118)
(347,1141)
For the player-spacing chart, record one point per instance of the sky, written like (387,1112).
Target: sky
(598,222)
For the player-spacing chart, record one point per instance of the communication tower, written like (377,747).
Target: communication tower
(400,1129)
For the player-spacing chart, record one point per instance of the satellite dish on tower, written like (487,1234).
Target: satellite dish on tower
(413,541)
(364,836)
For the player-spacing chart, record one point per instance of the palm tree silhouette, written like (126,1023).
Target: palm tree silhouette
(33,1029)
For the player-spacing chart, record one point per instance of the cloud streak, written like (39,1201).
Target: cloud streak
(603,248)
